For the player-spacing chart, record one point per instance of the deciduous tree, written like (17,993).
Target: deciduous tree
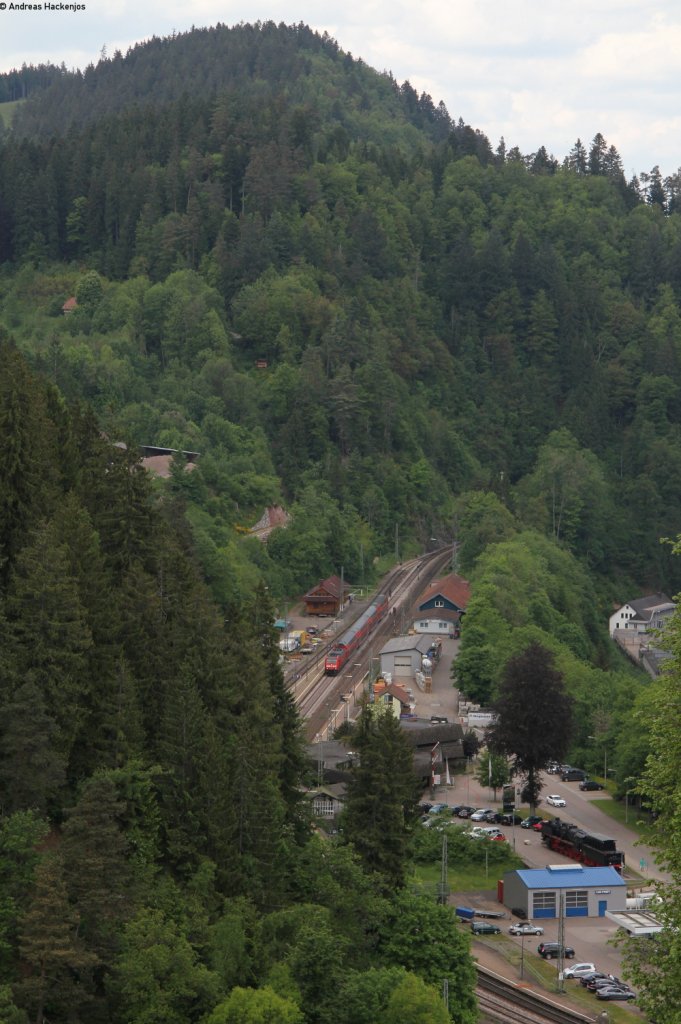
(534,715)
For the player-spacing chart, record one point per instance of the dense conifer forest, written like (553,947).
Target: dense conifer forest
(351,303)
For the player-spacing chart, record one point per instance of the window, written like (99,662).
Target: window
(543,901)
(423,625)
(323,807)
(439,604)
(576,899)
(442,625)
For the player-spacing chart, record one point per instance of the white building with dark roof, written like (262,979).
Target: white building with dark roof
(642,615)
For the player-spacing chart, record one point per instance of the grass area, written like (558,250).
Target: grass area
(7,111)
(637,819)
(468,876)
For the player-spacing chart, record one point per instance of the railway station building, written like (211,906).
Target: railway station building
(585,891)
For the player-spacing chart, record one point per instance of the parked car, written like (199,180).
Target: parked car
(586,978)
(465,812)
(480,814)
(510,819)
(490,832)
(579,970)
(438,808)
(554,800)
(605,982)
(615,992)
(519,912)
(590,786)
(526,928)
(439,720)
(551,951)
(574,775)
(537,825)
(484,928)
(531,821)
(493,817)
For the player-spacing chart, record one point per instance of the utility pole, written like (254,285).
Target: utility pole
(561,940)
(397,542)
(444,873)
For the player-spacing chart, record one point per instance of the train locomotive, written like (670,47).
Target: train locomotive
(589,848)
(355,635)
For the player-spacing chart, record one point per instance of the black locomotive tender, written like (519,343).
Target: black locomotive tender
(589,848)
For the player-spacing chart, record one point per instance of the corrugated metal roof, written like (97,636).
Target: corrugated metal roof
(569,877)
(420,643)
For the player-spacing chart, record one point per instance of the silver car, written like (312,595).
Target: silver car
(525,929)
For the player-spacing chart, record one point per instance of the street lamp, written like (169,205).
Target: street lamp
(626,799)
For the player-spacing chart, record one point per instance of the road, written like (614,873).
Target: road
(590,937)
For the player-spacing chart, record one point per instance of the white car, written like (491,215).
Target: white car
(555,800)
(579,970)
(485,833)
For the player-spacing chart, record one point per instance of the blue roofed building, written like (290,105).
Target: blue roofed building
(586,892)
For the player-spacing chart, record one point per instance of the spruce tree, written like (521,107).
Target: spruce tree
(32,770)
(293,765)
(50,948)
(382,796)
(96,867)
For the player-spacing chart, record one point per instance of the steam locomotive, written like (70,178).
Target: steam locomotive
(589,848)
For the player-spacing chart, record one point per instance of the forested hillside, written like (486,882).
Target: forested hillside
(351,303)
(430,310)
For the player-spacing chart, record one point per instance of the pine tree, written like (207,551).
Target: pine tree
(51,636)
(96,868)
(49,946)
(382,796)
(293,765)
(27,456)
(183,754)
(32,770)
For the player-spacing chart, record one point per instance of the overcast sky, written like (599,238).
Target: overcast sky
(538,72)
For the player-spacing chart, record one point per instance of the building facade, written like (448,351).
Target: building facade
(585,892)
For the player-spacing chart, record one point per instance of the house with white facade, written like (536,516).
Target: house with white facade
(642,615)
(442,606)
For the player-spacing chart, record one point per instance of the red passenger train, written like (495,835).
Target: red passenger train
(353,637)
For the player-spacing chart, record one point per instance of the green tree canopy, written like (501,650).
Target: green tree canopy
(534,716)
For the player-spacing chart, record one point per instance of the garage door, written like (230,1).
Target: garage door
(543,904)
(403,665)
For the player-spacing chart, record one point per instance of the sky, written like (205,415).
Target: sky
(537,72)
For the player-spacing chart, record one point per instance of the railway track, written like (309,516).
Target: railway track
(318,695)
(503,1001)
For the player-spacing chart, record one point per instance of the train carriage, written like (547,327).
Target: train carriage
(354,636)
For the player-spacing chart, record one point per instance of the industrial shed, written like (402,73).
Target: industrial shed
(588,892)
(401,657)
